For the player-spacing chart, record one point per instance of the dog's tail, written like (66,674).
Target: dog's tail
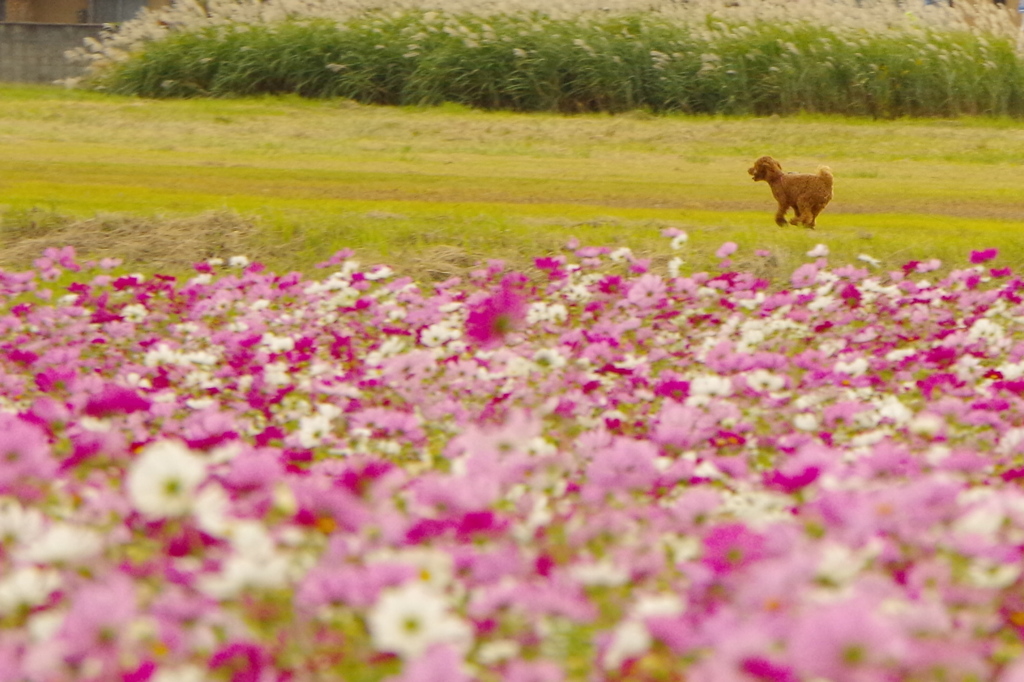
(825,173)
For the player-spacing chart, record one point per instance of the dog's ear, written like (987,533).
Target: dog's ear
(761,167)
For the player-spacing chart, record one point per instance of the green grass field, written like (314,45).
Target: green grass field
(432,191)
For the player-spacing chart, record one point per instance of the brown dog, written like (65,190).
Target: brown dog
(806,193)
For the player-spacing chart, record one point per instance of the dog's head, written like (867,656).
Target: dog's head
(765,168)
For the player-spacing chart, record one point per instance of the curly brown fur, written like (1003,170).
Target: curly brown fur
(806,193)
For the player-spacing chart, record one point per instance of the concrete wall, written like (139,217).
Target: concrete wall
(34,53)
(51,11)
(77,11)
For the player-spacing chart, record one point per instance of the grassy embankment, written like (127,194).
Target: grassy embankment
(431,191)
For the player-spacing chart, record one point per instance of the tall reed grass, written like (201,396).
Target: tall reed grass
(697,57)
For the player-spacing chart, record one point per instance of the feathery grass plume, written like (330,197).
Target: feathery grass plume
(750,56)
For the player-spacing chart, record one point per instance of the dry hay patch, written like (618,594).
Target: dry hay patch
(442,262)
(149,243)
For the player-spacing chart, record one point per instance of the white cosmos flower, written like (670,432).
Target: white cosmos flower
(621,254)
(408,619)
(679,241)
(186,673)
(62,542)
(926,424)
(134,312)
(277,344)
(763,380)
(439,334)
(539,311)
(711,385)
(314,428)
(19,525)
(805,422)
(855,367)
(255,563)
(674,267)
(653,605)
(26,587)
(490,653)
(819,251)
(163,479)
(550,358)
(630,639)
(276,374)
(381,272)
(603,573)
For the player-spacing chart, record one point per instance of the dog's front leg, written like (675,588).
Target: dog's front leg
(780,215)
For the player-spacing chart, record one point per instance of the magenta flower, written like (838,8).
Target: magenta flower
(56,379)
(243,661)
(983,256)
(496,316)
(760,668)
(113,399)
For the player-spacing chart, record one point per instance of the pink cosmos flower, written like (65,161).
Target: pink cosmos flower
(351,585)
(533,671)
(805,276)
(24,453)
(843,641)
(624,465)
(726,249)
(501,313)
(441,663)
(1014,672)
(732,546)
(684,426)
(53,259)
(646,291)
(336,259)
(10,666)
(96,625)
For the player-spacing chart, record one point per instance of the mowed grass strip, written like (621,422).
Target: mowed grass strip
(398,185)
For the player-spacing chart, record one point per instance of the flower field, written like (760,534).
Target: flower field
(590,470)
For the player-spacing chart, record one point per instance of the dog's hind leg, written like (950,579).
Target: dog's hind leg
(805,214)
